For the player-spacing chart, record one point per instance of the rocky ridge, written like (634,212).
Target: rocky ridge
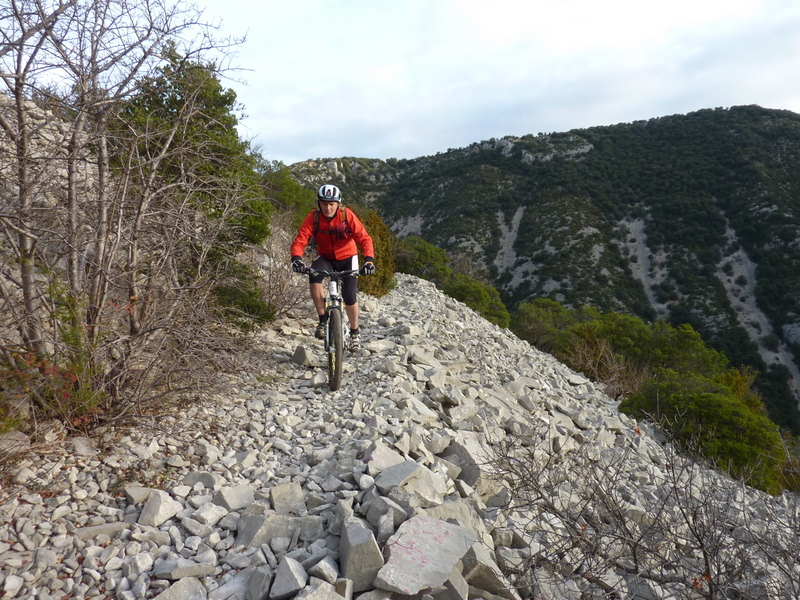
(455,462)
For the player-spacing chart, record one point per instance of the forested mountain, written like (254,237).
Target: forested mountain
(691,218)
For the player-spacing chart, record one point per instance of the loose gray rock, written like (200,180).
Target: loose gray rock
(158,508)
(235,497)
(290,578)
(189,588)
(288,499)
(360,556)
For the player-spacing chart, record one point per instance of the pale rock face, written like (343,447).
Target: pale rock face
(391,485)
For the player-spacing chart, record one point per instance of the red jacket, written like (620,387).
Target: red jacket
(335,240)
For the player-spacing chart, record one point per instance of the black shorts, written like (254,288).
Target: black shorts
(349,284)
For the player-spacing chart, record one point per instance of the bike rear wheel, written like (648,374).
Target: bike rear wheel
(335,348)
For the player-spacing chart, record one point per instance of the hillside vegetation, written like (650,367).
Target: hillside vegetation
(693,219)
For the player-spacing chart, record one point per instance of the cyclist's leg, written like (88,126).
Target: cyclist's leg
(315,283)
(350,294)
(352,315)
(318,297)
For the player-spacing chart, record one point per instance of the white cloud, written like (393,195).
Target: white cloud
(363,78)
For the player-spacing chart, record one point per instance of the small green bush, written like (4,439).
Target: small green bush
(480,297)
(417,257)
(422,259)
(705,416)
(240,299)
(385,243)
(253,222)
(543,322)
(771,342)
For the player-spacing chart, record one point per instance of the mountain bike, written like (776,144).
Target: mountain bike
(334,324)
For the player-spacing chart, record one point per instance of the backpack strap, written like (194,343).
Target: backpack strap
(342,215)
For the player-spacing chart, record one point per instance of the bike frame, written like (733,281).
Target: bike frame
(334,298)
(334,340)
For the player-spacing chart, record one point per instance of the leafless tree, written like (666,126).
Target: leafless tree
(25,30)
(283,288)
(106,267)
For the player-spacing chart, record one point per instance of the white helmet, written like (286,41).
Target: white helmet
(329,193)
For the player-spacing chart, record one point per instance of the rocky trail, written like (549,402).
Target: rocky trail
(273,487)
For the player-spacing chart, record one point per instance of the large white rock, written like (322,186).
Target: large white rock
(428,487)
(422,554)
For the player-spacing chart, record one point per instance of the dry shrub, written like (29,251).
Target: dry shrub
(280,286)
(592,521)
(594,357)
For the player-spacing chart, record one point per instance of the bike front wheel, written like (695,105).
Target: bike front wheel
(335,349)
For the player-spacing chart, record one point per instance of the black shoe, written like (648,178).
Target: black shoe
(319,333)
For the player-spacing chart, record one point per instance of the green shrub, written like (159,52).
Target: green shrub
(682,349)
(285,193)
(422,259)
(480,297)
(253,221)
(417,257)
(240,299)
(771,342)
(545,323)
(667,374)
(706,417)
(385,242)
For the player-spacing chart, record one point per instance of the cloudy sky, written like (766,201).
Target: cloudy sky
(409,78)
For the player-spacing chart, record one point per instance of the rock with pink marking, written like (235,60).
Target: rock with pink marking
(422,554)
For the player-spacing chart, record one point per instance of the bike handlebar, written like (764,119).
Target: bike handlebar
(335,274)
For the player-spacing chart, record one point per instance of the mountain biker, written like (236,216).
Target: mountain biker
(335,230)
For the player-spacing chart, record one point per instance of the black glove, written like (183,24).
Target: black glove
(368,268)
(298,266)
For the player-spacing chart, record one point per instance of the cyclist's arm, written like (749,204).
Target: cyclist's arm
(303,236)
(362,238)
